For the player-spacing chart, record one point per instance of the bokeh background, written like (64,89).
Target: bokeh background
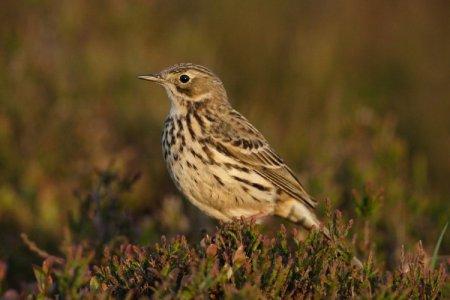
(355,95)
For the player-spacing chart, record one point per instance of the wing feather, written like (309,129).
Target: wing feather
(247,145)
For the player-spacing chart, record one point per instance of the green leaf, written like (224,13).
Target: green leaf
(94,285)
(436,248)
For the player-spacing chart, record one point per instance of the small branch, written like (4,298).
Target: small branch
(42,253)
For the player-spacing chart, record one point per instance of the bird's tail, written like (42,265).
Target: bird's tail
(297,212)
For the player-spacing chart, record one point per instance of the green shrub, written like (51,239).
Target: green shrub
(237,261)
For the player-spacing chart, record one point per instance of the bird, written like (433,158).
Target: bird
(219,161)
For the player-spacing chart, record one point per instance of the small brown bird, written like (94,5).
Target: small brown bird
(220,161)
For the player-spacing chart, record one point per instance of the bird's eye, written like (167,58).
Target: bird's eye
(184,78)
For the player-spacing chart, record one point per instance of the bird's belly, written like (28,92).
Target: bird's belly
(214,189)
(211,179)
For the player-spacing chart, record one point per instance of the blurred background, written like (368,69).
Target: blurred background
(354,95)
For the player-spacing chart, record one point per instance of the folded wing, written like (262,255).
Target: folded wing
(246,144)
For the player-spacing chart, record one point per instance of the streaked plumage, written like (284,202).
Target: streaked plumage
(218,160)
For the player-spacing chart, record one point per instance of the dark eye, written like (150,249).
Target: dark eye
(184,78)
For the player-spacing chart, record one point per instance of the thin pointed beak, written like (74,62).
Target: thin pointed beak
(152,77)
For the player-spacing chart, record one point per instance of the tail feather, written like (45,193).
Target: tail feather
(297,212)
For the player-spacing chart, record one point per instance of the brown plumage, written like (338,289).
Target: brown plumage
(218,159)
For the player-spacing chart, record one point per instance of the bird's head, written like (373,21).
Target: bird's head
(187,83)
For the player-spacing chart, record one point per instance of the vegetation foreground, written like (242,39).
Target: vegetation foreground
(237,261)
